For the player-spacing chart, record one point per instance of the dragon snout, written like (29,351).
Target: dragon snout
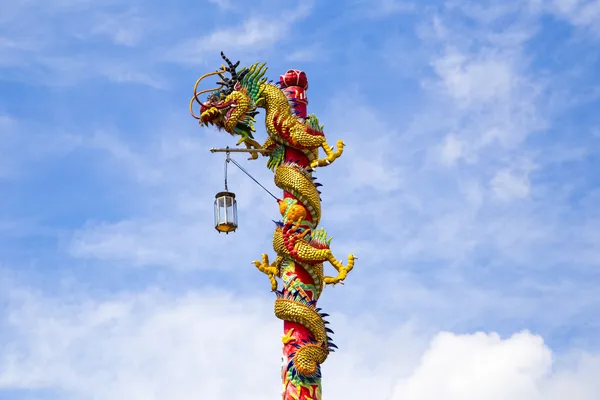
(209,115)
(224,104)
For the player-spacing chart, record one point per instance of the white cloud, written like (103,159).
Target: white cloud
(180,241)
(473,80)
(44,52)
(6,121)
(508,186)
(126,29)
(219,345)
(24,144)
(480,366)
(253,32)
(150,346)
(171,183)
(483,78)
(482,104)
(386,8)
(583,13)
(256,33)
(309,54)
(223,4)
(451,150)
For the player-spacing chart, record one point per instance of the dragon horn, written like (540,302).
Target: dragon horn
(232,67)
(235,77)
(218,72)
(196,93)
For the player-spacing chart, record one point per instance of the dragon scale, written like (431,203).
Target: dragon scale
(302,248)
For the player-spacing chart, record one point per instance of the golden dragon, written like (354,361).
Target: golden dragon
(292,147)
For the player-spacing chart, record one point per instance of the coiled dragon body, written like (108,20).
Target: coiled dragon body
(293,144)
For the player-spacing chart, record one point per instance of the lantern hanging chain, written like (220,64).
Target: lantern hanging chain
(247,173)
(226,162)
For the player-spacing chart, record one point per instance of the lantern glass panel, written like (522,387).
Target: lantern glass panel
(216,215)
(225,212)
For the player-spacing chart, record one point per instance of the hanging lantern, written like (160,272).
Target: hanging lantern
(225,212)
(226,218)
(225,207)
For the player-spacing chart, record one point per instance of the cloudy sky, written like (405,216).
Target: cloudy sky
(469,191)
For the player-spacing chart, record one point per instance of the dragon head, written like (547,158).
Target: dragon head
(232,106)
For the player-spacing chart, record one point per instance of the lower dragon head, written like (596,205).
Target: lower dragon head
(232,106)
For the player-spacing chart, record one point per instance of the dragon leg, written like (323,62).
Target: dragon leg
(250,145)
(271,270)
(340,268)
(331,155)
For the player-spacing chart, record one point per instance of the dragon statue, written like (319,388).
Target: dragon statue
(292,148)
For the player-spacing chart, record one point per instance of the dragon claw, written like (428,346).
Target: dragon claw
(342,270)
(288,338)
(250,145)
(271,270)
(331,155)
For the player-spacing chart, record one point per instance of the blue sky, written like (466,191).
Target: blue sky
(468,190)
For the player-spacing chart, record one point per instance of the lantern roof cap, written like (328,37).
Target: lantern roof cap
(225,194)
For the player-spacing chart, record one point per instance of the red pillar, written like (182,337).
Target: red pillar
(294,83)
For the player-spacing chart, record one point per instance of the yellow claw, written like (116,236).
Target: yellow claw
(271,270)
(287,338)
(251,144)
(340,268)
(331,155)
